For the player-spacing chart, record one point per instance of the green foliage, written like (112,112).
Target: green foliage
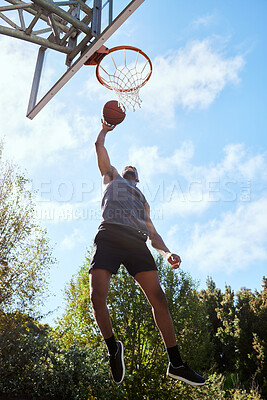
(228,332)
(132,317)
(33,364)
(209,320)
(22,345)
(25,255)
(239,323)
(211,299)
(188,314)
(145,355)
(222,335)
(77,323)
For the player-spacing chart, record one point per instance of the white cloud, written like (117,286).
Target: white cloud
(195,188)
(70,241)
(232,242)
(237,163)
(150,162)
(191,77)
(53,130)
(205,21)
(183,204)
(93,89)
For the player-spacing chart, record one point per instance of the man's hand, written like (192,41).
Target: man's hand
(105,167)
(107,127)
(174,260)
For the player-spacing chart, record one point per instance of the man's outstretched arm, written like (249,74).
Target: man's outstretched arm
(157,242)
(106,169)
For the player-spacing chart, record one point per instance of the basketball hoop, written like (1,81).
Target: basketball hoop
(124,69)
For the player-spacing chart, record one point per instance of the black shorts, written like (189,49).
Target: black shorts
(117,244)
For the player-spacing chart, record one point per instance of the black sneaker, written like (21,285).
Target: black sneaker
(117,364)
(185,374)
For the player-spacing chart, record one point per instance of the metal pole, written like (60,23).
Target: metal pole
(34,39)
(110,11)
(49,6)
(36,78)
(15,7)
(30,10)
(96,20)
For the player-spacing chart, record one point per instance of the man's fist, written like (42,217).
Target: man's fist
(107,127)
(174,260)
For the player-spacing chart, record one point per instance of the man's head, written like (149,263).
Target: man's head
(130,173)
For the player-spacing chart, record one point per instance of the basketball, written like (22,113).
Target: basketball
(113,112)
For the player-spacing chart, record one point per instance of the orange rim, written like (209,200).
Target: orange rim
(98,76)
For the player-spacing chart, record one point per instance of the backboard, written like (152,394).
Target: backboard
(75,28)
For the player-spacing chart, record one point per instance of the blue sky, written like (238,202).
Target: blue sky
(199,140)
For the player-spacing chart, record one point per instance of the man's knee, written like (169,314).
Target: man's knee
(158,299)
(99,286)
(98,300)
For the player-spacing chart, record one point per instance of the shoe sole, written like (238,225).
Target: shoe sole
(180,378)
(123,365)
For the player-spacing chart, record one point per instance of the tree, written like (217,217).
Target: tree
(258,305)
(238,324)
(246,317)
(33,365)
(25,255)
(77,322)
(211,298)
(228,332)
(188,314)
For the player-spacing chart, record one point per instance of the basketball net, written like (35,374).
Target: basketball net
(125,70)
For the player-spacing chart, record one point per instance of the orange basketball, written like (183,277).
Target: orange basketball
(113,112)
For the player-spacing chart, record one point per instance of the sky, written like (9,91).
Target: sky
(198,140)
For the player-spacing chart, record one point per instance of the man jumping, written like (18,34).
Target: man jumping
(121,239)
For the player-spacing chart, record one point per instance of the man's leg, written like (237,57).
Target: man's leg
(149,283)
(99,286)
(177,369)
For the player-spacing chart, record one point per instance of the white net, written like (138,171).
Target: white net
(125,71)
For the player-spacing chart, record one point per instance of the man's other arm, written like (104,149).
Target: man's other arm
(157,242)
